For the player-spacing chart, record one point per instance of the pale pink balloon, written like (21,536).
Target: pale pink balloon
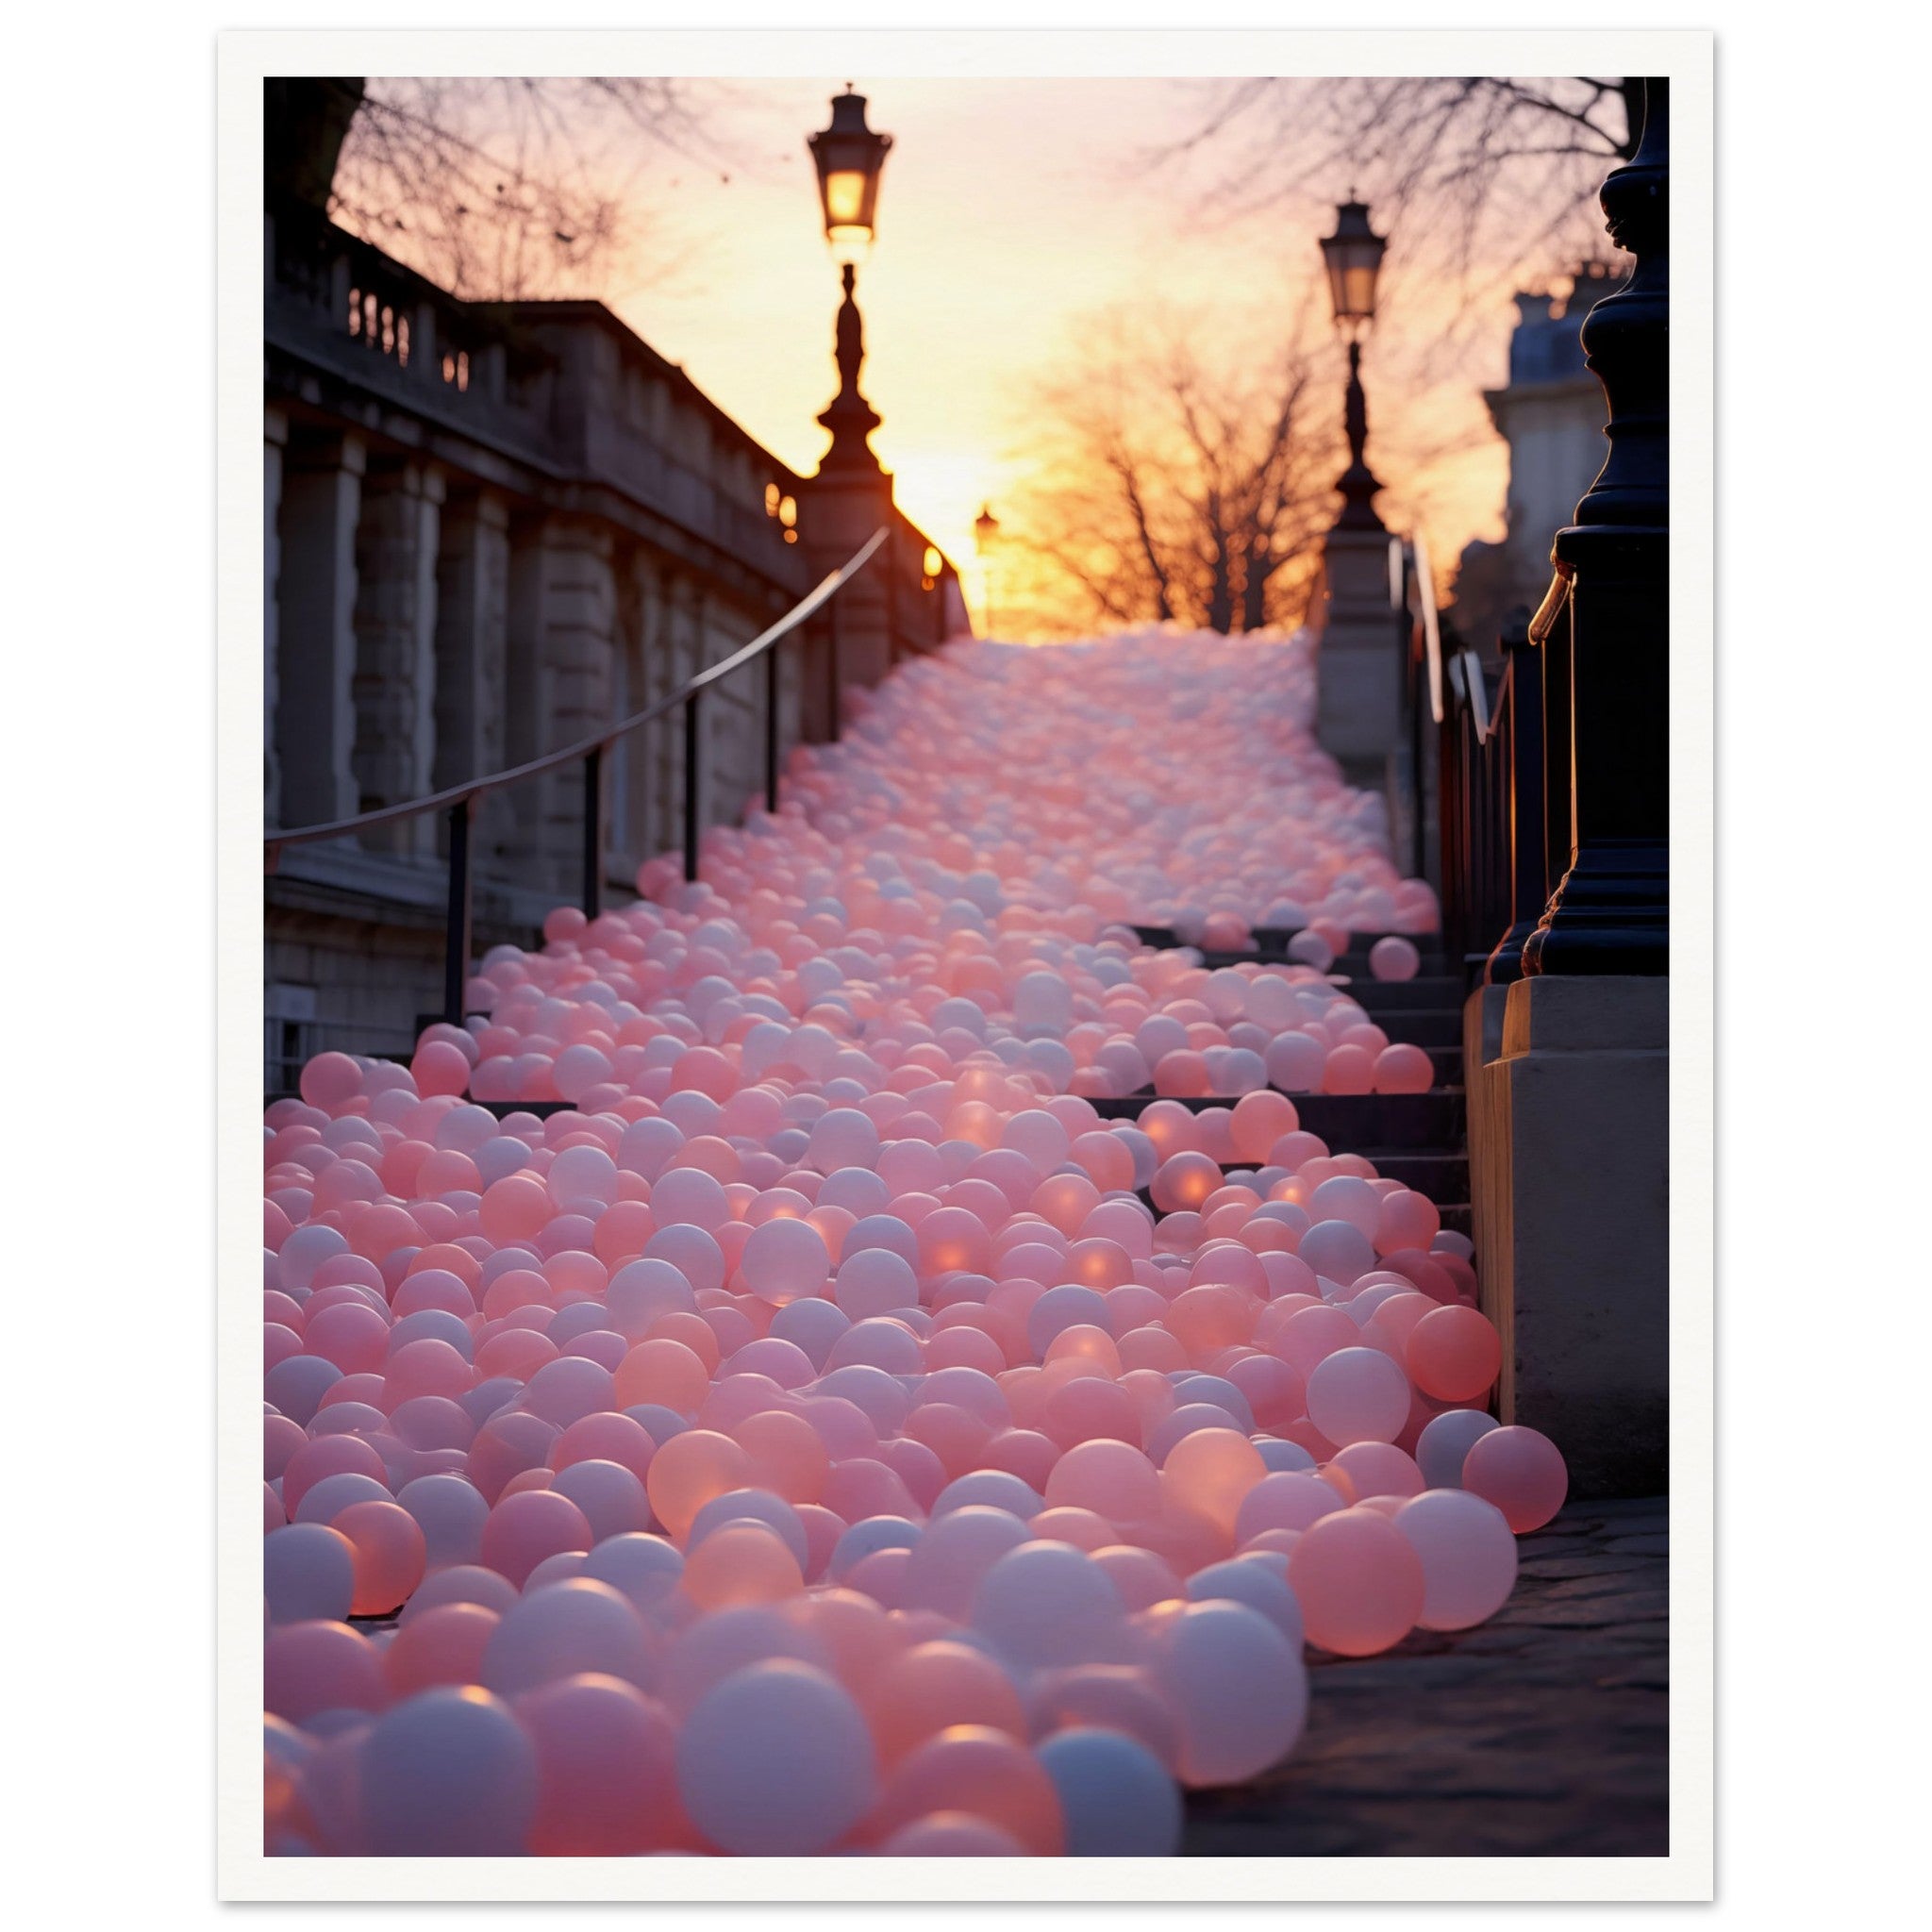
(1358,1395)
(1468,1554)
(1522,1471)
(390,1554)
(1394,957)
(523,1529)
(1399,1068)
(1453,1354)
(983,1773)
(1358,1580)
(607,1776)
(1348,1069)
(784,1261)
(798,1430)
(925,1690)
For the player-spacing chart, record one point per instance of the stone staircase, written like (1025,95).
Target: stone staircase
(1420,1139)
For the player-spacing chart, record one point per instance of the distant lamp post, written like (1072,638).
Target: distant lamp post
(850,159)
(986,537)
(1353,257)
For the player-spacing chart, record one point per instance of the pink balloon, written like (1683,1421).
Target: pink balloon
(1358,1395)
(1468,1554)
(1520,1472)
(1359,1582)
(605,1778)
(1455,1354)
(812,1424)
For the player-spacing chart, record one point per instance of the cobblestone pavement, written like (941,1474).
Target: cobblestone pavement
(1542,1733)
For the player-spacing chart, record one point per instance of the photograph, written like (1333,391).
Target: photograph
(967,751)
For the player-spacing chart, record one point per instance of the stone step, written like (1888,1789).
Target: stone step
(1350,1123)
(1457,1216)
(1433,993)
(1443,1177)
(1437,1119)
(1271,943)
(1430,1026)
(1431,1170)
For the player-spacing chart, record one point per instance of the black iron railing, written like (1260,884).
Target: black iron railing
(1485,819)
(459,802)
(1488,820)
(1419,646)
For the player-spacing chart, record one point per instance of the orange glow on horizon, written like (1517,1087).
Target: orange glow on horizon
(1010,212)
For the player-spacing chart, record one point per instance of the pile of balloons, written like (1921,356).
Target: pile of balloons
(808,1438)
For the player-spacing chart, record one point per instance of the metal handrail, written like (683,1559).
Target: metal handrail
(1548,612)
(480,787)
(1475,693)
(1432,633)
(460,801)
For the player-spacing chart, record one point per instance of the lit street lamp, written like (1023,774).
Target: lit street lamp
(1353,255)
(849,158)
(986,535)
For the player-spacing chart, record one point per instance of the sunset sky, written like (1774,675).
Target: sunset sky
(1011,211)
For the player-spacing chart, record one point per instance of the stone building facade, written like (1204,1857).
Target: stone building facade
(1551,414)
(490,530)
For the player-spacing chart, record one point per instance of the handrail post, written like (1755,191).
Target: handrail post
(1558,769)
(593,831)
(832,683)
(692,787)
(1528,825)
(772,730)
(456,954)
(892,599)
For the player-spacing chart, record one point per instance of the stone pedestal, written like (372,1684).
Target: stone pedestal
(1569,1122)
(843,508)
(1358,665)
(315,606)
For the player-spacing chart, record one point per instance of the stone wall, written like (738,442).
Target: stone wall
(488,533)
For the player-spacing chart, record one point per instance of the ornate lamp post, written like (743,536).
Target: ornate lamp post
(1608,744)
(850,159)
(1359,680)
(1353,257)
(986,537)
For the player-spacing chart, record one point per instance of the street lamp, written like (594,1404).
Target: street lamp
(1353,257)
(849,158)
(986,534)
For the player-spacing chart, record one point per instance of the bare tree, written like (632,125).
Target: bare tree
(1486,178)
(496,188)
(1171,482)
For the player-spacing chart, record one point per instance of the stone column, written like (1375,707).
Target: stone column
(395,646)
(649,819)
(562,637)
(472,634)
(315,608)
(274,436)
